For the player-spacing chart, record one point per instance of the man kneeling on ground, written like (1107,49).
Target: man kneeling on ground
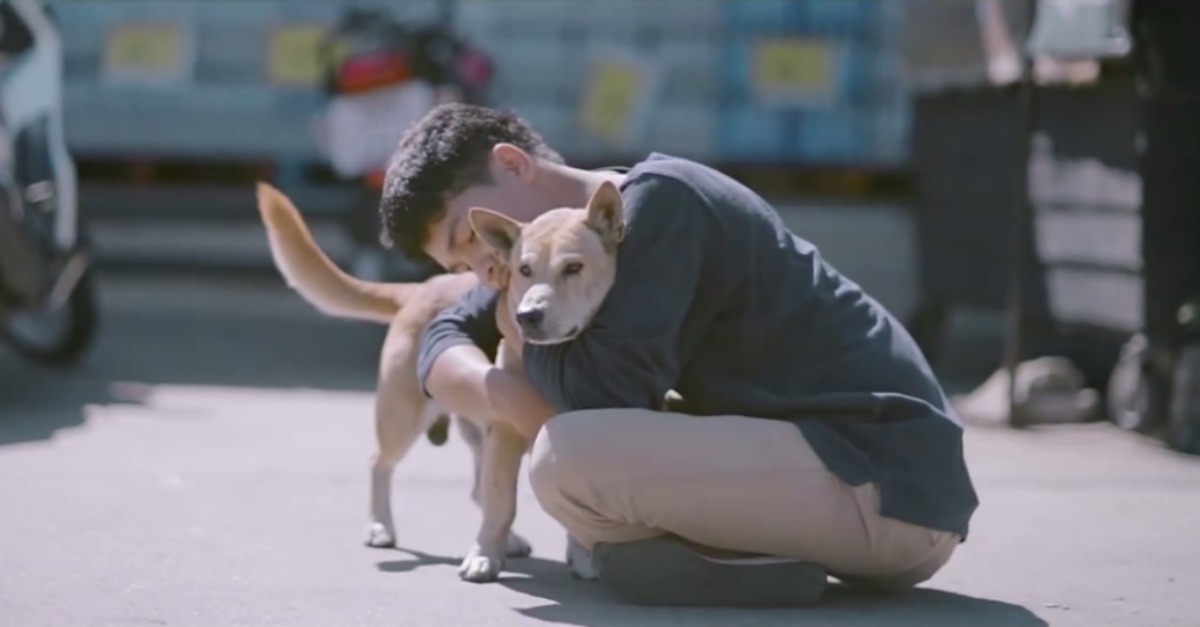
(813,437)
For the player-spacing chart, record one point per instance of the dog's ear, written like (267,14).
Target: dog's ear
(495,229)
(606,213)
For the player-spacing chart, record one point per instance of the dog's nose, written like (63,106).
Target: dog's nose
(531,317)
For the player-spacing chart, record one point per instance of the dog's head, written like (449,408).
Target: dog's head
(561,265)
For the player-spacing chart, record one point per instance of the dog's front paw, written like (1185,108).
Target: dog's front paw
(481,565)
(379,536)
(518,546)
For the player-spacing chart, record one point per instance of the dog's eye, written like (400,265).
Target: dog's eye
(572,268)
(525,270)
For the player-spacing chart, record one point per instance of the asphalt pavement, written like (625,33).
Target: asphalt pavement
(208,466)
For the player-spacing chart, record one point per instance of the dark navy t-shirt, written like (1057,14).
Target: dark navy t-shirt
(715,298)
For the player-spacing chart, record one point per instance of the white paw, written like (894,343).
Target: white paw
(579,561)
(518,546)
(481,566)
(379,536)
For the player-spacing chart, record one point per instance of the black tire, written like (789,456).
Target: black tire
(78,337)
(1183,416)
(1183,436)
(1133,389)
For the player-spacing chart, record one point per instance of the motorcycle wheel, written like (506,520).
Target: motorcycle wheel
(59,337)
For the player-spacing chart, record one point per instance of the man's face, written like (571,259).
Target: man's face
(513,192)
(455,246)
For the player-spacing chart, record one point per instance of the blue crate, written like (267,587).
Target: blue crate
(759,16)
(229,107)
(682,19)
(746,133)
(856,28)
(537,68)
(551,120)
(891,132)
(734,70)
(737,80)
(862,71)
(831,136)
(684,130)
(687,67)
(844,18)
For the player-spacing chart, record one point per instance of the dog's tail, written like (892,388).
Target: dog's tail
(309,271)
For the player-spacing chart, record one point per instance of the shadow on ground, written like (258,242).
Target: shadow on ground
(571,601)
(208,346)
(36,402)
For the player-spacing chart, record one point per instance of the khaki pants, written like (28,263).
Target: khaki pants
(733,483)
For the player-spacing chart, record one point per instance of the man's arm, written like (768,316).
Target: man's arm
(633,351)
(454,369)
(456,349)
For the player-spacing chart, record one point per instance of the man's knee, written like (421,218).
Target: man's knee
(561,451)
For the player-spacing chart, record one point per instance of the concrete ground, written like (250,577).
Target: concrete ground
(207,466)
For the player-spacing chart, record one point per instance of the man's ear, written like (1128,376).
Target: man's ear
(512,160)
(497,230)
(606,213)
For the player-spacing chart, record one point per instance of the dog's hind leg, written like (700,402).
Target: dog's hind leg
(473,434)
(503,449)
(395,435)
(402,414)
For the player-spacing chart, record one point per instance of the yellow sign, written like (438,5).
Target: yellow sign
(610,99)
(793,66)
(145,50)
(295,54)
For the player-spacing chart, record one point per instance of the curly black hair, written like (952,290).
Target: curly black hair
(440,156)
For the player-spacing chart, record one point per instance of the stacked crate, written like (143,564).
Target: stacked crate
(747,81)
(536,66)
(811,81)
(604,80)
(766,81)
(198,79)
(683,119)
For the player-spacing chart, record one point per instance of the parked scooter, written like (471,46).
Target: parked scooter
(47,303)
(382,75)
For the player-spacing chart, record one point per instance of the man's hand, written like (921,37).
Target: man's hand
(467,383)
(464,381)
(507,321)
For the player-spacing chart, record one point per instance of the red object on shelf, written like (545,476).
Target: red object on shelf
(375,177)
(368,71)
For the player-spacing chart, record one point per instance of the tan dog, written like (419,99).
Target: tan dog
(563,264)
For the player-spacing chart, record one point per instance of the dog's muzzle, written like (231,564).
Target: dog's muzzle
(531,319)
